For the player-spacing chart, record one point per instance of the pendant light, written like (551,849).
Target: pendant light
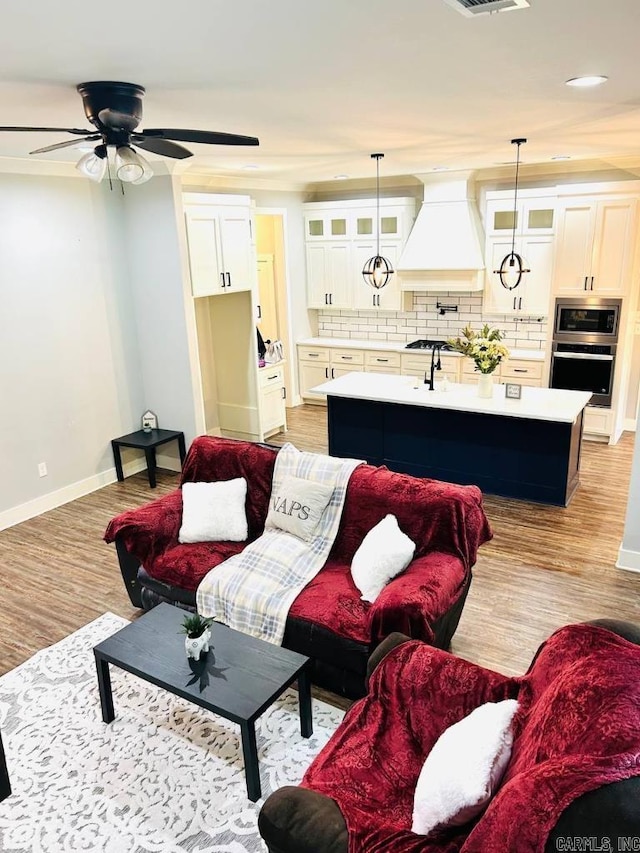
(378,270)
(512,263)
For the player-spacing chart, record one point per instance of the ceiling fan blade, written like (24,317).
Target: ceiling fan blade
(161,146)
(67,144)
(47,130)
(208,137)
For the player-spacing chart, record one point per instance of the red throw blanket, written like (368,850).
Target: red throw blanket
(578,727)
(446,521)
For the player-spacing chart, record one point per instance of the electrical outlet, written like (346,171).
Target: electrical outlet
(42,469)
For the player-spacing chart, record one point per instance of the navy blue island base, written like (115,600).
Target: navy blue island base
(529,459)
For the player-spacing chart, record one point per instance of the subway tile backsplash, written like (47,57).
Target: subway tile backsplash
(425,321)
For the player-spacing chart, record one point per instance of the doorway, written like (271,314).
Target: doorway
(273,303)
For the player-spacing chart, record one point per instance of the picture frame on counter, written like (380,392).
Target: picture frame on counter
(512,391)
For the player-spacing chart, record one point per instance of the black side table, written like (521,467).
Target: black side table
(147,441)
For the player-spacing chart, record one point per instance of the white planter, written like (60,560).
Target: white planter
(485,385)
(194,646)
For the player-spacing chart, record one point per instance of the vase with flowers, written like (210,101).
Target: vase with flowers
(487,351)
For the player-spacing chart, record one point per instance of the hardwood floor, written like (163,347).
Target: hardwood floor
(545,566)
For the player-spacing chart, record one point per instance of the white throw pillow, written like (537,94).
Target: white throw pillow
(296,506)
(464,768)
(383,553)
(214,512)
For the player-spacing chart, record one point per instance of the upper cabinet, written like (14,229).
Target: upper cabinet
(595,245)
(340,237)
(222,255)
(534,219)
(533,216)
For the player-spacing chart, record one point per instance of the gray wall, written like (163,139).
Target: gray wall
(154,253)
(69,369)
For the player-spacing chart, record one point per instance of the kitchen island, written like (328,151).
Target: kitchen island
(527,448)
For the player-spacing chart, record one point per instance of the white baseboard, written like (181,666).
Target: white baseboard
(628,560)
(62,496)
(629,425)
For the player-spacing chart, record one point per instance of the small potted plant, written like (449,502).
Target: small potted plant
(196,628)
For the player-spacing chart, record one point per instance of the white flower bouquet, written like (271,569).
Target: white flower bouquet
(484,347)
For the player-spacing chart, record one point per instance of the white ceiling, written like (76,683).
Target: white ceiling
(325,84)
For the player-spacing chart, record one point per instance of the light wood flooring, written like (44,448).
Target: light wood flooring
(545,566)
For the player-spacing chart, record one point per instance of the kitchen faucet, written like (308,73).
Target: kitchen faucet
(435,365)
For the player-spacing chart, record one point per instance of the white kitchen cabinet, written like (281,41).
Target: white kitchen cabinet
(594,246)
(273,416)
(419,365)
(534,220)
(533,216)
(598,422)
(329,275)
(221,251)
(381,360)
(522,372)
(340,237)
(390,297)
(318,364)
(327,224)
(532,294)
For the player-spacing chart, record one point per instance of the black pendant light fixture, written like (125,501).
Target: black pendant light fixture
(512,264)
(378,270)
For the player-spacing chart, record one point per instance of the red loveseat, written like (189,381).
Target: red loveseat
(573,781)
(328,620)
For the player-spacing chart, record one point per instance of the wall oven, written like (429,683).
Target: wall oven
(583,355)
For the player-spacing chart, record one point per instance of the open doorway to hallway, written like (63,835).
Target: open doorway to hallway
(273,309)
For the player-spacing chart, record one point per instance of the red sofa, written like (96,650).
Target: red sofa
(573,781)
(328,620)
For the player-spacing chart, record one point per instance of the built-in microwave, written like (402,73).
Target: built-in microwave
(591,320)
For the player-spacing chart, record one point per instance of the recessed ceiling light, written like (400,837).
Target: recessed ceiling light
(562,157)
(250,167)
(340,177)
(440,169)
(588,80)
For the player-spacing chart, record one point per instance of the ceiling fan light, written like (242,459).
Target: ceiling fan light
(147,171)
(93,165)
(130,166)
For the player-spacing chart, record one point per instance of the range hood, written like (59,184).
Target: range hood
(444,250)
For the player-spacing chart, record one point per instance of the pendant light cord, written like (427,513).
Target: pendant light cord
(377,156)
(517,142)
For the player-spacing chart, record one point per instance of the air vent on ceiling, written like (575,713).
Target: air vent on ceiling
(471,8)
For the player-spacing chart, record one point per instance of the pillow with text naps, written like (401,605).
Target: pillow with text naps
(214,512)
(297,505)
(464,769)
(383,553)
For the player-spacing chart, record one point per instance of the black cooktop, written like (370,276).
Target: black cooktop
(426,343)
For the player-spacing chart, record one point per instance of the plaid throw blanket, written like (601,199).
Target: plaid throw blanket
(253,591)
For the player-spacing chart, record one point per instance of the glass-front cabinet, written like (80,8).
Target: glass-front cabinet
(534,218)
(340,237)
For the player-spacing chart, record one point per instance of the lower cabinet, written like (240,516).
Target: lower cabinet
(318,364)
(273,414)
(598,421)
(419,365)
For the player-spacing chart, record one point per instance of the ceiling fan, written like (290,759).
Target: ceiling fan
(115,111)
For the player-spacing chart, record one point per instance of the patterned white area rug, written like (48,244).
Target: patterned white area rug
(163,777)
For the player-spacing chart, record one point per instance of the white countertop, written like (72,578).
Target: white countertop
(544,404)
(394,346)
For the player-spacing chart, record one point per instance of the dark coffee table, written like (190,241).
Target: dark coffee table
(239,678)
